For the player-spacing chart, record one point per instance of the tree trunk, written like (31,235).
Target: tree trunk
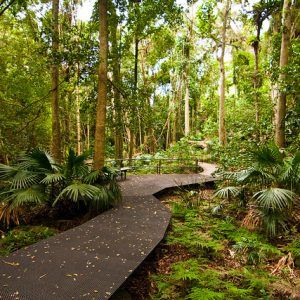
(135,116)
(187,108)
(56,138)
(102,87)
(88,134)
(187,80)
(117,96)
(284,54)
(78,123)
(222,129)
(256,80)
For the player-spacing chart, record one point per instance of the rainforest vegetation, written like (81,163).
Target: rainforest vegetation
(140,81)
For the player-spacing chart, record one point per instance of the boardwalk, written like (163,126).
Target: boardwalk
(92,261)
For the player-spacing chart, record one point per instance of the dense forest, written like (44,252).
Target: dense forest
(225,72)
(142,84)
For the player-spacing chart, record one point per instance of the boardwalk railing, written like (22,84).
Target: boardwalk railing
(157,165)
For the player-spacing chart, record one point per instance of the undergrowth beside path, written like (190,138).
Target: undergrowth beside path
(208,255)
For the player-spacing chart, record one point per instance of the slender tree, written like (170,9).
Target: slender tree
(284,54)
(116,65)
(222,129)
(102,87)
(56,137)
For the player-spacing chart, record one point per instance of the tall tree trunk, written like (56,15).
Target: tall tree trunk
(117,96)
(187,109)
(284,54)
(88,133)
(134,124)
(222,129)
(102,87)
(78,122)
(187,81)
(56,138)
(256,80)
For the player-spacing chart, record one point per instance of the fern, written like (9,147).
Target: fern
(204,294)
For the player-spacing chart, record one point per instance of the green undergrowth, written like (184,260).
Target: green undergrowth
(23,236)
(224,261)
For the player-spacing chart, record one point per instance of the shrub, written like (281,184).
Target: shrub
(37,180)
(271,182)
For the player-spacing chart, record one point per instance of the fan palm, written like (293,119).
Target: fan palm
(24,183)
(272,180)
(37,179)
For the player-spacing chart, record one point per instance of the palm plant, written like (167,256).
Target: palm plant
(97,189)
(36,179)
(24,183)
(272,182)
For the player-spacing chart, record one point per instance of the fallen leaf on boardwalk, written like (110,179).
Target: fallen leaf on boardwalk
(14,264)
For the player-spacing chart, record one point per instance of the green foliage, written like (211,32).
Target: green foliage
(249,246)
(190,233)
(37,179)
(190,198)
(294,248)
(205,294)
(192,279)
(272,180)
(23,236)
(224,261)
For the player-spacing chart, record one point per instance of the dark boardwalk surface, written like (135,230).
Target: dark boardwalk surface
(92,261)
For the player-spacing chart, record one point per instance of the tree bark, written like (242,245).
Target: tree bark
(222,129)
(187,108)
(134,118)
(117,95)
(56,136)
(102,87)
(78,122)
(256,80)
(284,54)
(88,133)
(187,81)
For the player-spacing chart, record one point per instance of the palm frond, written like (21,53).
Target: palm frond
(267,155)
(20,197)
(24,179)
(53,178)
(37,159)
(101,200)
(93,176)
(227,192)
(227,175)
(274,198)
(78,191)
(255,175)
(7,172)
(75,165)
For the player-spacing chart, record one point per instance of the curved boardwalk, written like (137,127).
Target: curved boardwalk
(92,261)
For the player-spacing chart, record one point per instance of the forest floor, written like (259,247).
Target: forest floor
(210,256)
(206,254)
